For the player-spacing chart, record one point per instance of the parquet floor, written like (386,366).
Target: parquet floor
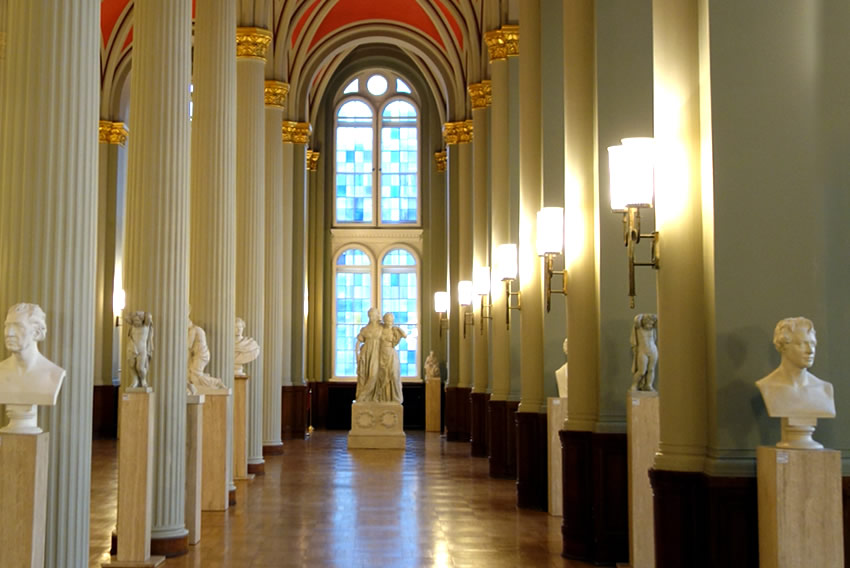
(320,505)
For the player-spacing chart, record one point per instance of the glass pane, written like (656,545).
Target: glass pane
(354,112)
(401,86)
(399,296)
(376,85)
(401,111)
(353,257)
(354,174)
(399,174)
(352,87)
(399,257)
(353,299)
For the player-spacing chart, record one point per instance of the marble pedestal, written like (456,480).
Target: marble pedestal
(214,488)
(643,432)
(432,405)
(240,428)
(800,508)
(23,498)
(377,425)
(194,465)
(556,413)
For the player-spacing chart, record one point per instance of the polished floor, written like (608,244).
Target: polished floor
(321,505)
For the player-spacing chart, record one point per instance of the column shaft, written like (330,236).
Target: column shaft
(212,272)
(464,263)
(287,260)
(48,185)
(453,238)
(156,249)
(481,241)
(299,260)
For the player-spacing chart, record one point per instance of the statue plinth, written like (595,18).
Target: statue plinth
(377,425)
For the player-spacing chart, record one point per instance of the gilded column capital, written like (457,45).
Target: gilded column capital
(440,159)
(301,132)
(287,129)
(465,134)
(480,94)
(495,40)
(452,132)
(313,160)
(275,93)
(251,43)
(112,132)
(511,34)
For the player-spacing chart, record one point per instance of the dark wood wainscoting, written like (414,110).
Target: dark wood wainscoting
(105,412)
(595,486)
(478,402)
(293,408)
(502,441)
(331,405)
(532,475)
(457,414)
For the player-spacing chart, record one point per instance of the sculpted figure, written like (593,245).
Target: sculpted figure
(139,347)
(367,351)
(246,348)
(644,351)
(791,390)
(432,367)
(27,378)
(561,374)
(199,356)
(389,381)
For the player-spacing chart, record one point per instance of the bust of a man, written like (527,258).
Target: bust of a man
(246,349)
(791,391)
(27,377)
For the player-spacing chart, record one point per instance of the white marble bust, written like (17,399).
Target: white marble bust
(246,348)
(28,377)
(791,391)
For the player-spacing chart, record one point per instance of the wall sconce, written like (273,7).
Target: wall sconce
(632,170)
(506,271)
(441,306)
(464,298)
(481,287)
(118,301)
(550,243)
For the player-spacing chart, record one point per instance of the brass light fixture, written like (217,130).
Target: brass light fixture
(464,298)
(550,243)
(506,271)
(441,306)
(481,287)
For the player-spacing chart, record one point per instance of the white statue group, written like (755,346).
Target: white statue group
(378,368)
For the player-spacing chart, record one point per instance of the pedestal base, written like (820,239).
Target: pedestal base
(214,487)
(377,425)
(643,433)
(556,411)
(800,508)
(151,562)
(432,405)
(240,427)
(194,465)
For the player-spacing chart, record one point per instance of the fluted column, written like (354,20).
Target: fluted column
(275,100)
(450,137)
(212,252)
(300,138)
(156,249)
(48,187)
(464,254)
(287,258)
(251,45)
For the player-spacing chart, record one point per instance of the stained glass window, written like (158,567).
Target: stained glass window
(399,295)
(399,163)
(354,163)
(353,300)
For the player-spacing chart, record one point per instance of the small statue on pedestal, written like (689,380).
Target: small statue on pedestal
(139,347)
(199,356)
(432,367)
(378,367)
(246,348)
(791,392)
(644,352)
(27,378)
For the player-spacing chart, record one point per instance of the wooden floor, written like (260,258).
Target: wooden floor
(321,505)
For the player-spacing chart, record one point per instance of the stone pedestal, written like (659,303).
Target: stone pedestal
(135,479)
(642,429)
(214,486)
(432,405)
(800,508)
(240,428)
(556,412)
(194,464)
(23,498)
(378,425)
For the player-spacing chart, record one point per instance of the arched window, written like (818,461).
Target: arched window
(377,146)
(352,299)
(400,295)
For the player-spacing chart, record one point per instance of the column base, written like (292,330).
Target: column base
(478,424)
(531,481)
(293,408)
(256,469)
(273,450)
(502,443)
(457,414)
(231,497)
(165,547)
(595,486)
(151,562)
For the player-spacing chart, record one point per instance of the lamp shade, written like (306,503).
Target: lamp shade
(481,280)
(506,262)
(632,173)
(441,302)
(550,230)
(464,292)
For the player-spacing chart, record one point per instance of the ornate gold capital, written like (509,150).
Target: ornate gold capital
(112,132)
(251,43)
(275,93)
(313,160)
(301,133)
(511,34)
(440,159)
(287,129)
(465,134)
(495,40)
(480,94)
(457,132)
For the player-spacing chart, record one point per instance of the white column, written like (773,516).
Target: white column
(212,272)
(300,138)
(273,361)
(251,44)
(464,254)
(48,187)
(287,260)
(156,249)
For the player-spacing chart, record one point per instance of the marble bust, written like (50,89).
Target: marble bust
(139,347)
(644,352)
(27,378)
(199,356)
(246,348)
(790,391)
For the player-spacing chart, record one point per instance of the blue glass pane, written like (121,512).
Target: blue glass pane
(401,86)
(399,174)
(352,257)
(354,110)
(354,173)
(400,110)
(353,300)
(398,257)
(399,296)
